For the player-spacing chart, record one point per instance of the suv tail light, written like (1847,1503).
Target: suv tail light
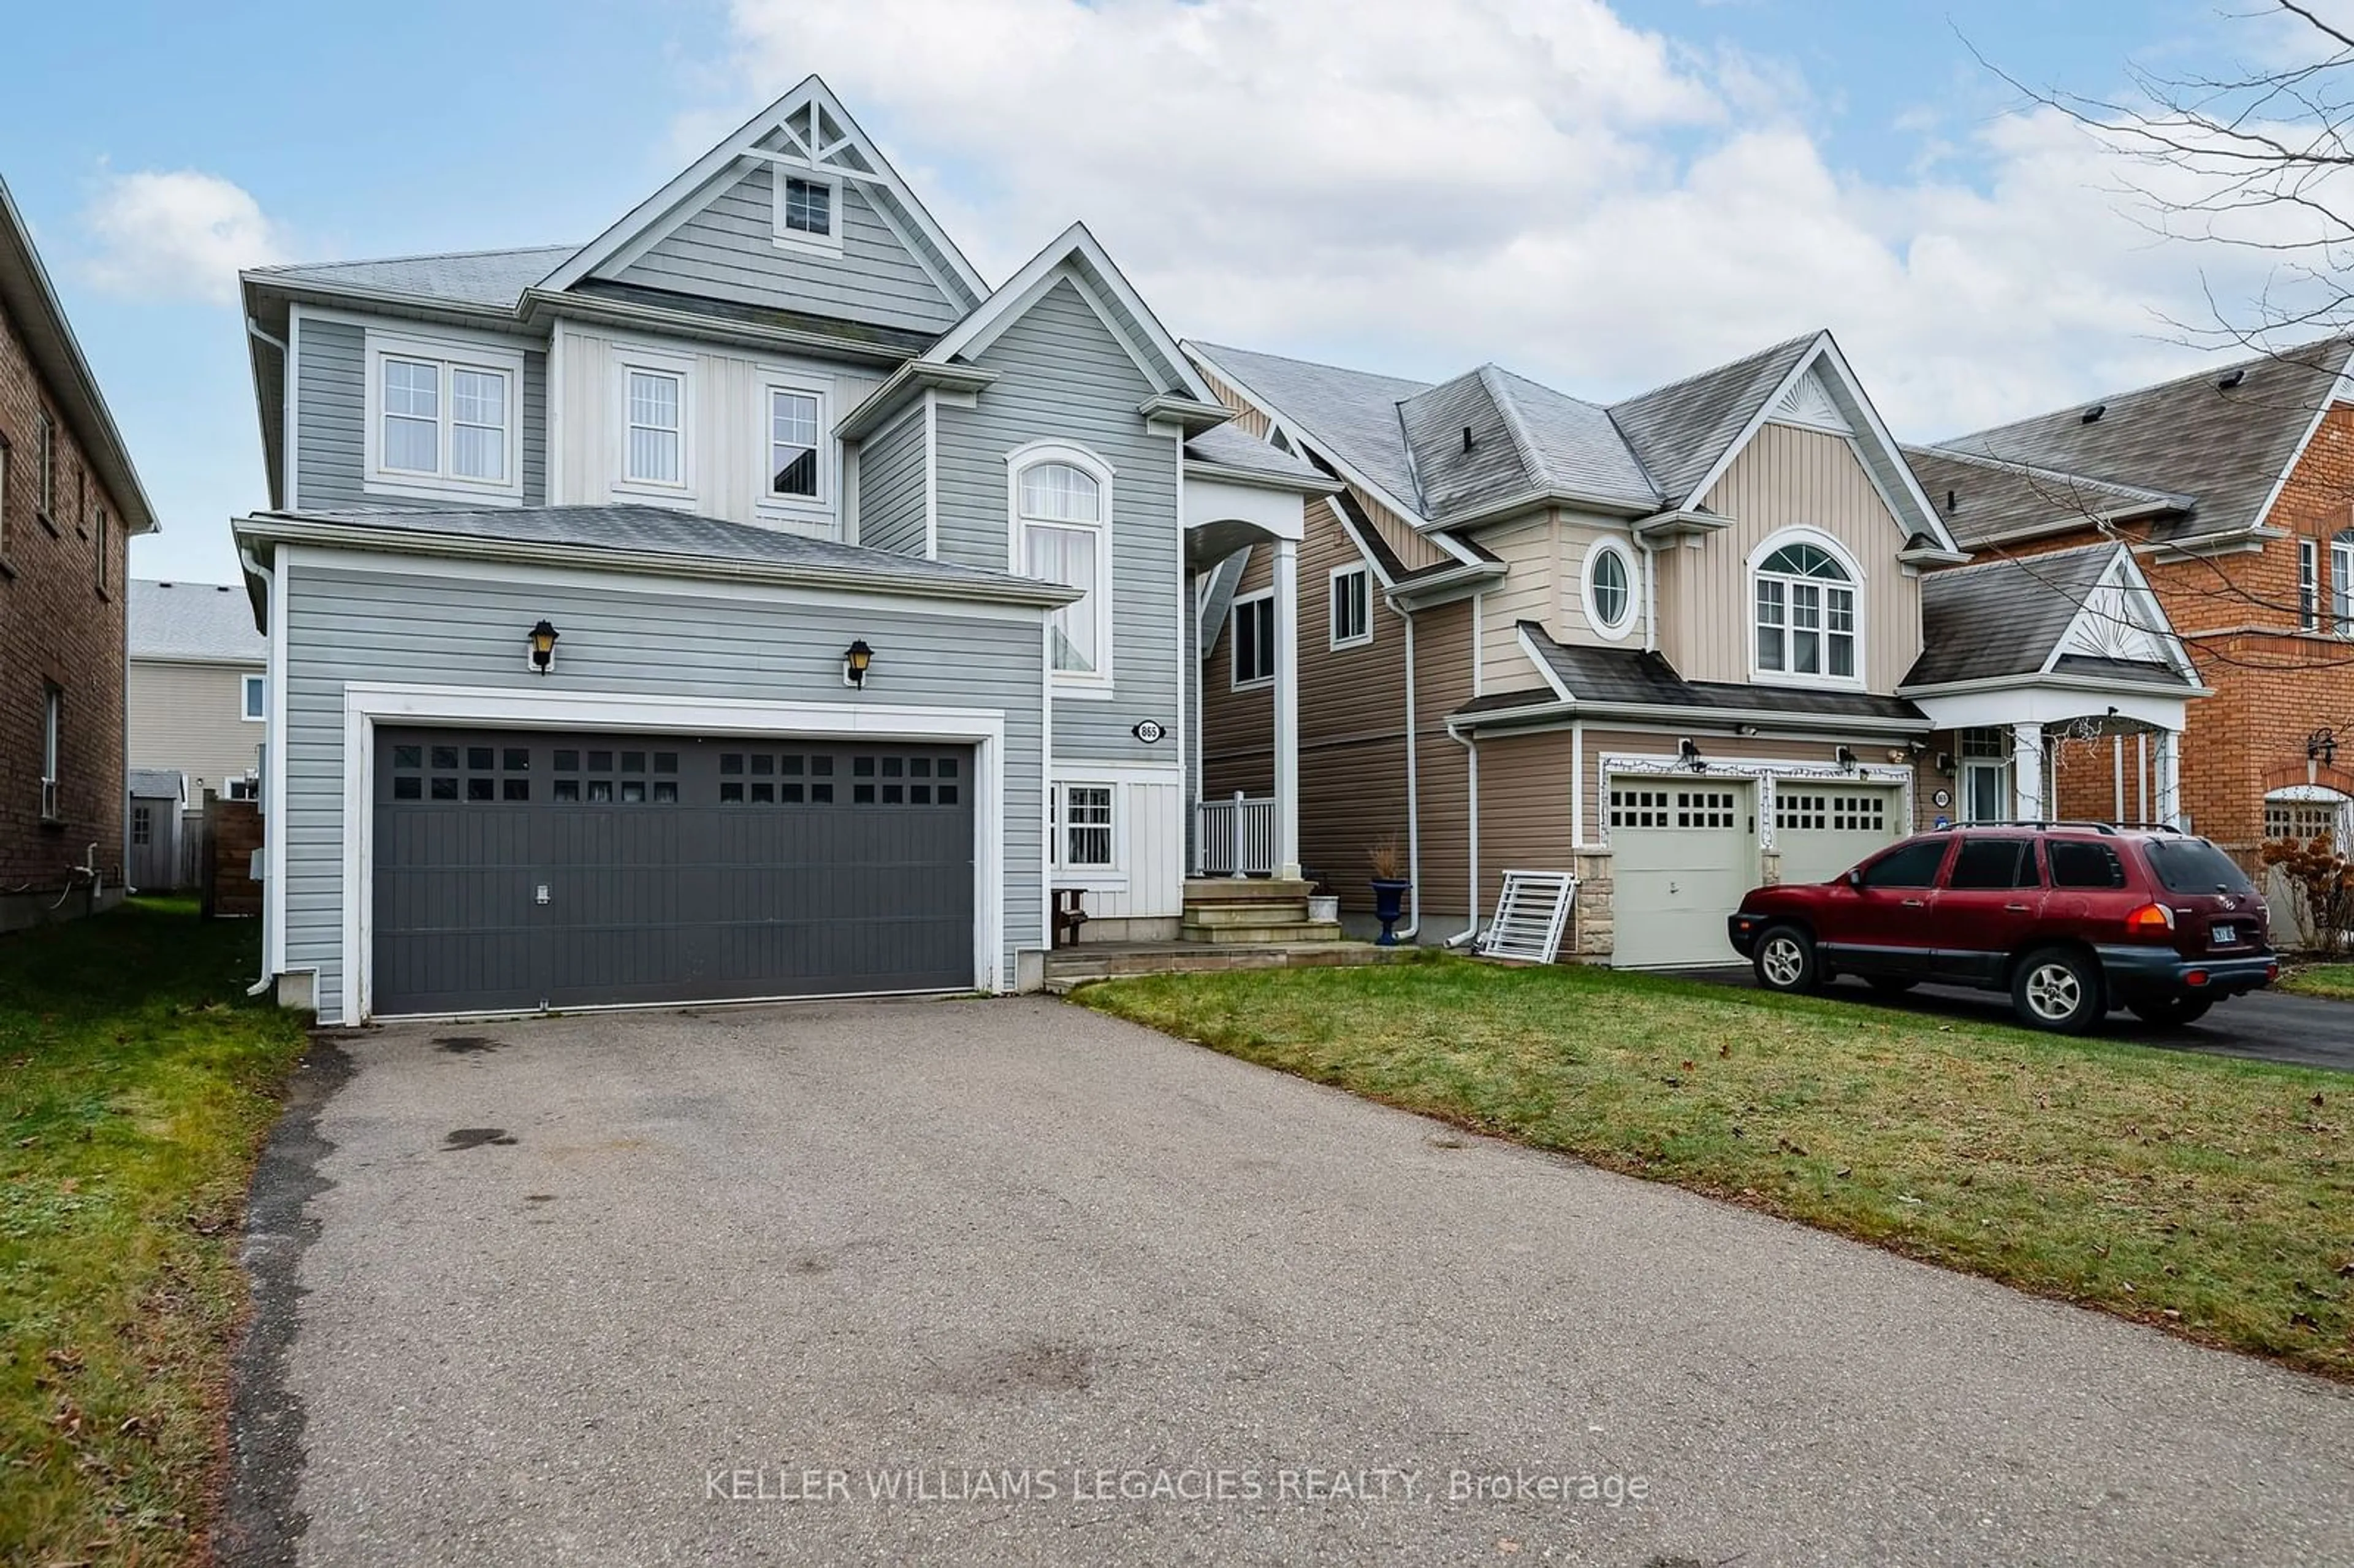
(2150,921)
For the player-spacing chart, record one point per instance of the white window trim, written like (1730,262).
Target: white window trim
(1072,874)
(447,353)
(1331,628)
(681,368)
(795,238)
(53,751)
(771,380)
(246,687)
(1618,633)
(2309,585)
(2341,581)
(1855,583)
(1097,683)
(1234,682)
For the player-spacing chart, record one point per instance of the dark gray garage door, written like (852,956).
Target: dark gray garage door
(521,870)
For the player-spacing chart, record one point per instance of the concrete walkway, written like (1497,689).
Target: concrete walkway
(689,1287)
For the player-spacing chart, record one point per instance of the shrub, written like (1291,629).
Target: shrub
(2323,881)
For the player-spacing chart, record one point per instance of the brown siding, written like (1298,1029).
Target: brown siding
(1443,659)
(1786,478)
(61,624)
(1524,782)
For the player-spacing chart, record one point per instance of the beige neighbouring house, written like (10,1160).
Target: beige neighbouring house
(1678,644)
(198,678)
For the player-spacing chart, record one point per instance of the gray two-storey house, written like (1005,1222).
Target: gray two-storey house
(751,603)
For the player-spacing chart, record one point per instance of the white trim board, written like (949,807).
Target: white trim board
(1764,774)
(367,704)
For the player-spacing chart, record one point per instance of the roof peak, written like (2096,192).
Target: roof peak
(1722,366)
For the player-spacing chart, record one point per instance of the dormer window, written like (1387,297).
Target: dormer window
(1805,614)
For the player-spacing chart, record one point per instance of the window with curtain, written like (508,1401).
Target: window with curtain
(656,435)
(2341,581)
(792,444)
(1805,614)
(444,420)
(1061,520)
(1085,835)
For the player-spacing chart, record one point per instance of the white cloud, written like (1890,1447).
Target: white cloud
(177,235)
(1418,185)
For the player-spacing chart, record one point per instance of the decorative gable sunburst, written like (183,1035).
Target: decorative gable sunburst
(1810,404)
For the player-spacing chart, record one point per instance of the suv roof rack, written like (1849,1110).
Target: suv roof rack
(2109,828)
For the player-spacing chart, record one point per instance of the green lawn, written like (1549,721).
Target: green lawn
(2320,980)
(136,1083)
(2213,1197)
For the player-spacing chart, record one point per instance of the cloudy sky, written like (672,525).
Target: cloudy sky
(1602,195)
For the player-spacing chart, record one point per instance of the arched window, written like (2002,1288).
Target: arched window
(1805,614)
(2341,581)
(1060,514)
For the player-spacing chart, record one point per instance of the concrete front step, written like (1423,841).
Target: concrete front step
(1069,967)
(1270,929)
(1247,890)
(1266,914)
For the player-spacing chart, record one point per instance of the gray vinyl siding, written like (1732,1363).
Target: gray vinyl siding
(356,625)
(1062,376)
(331,420)
(891,487)
(729,251)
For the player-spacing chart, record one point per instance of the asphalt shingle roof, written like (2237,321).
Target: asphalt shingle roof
(2222,448)
(1991,499)
(2002,617)
(194,621)
(1230,448)
(492,278)
(1644,454)
(1640,676)
(1679,430)
(662,531)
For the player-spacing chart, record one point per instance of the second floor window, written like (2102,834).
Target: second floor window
(44,471)
(254,695)
(2341,581)
(1061,515)
(656,432)
(1352,607)
(1253,639)
(792,445)
(444,420)
(2309,585)
(6,473)
(1806,615)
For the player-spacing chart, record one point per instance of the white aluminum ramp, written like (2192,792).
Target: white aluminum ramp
(1530,916)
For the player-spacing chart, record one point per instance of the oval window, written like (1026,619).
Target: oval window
(1606,586)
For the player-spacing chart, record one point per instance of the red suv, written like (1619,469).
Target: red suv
(2072,919)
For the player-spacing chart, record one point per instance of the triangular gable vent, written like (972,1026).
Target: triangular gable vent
(1809,403)
(2112,625)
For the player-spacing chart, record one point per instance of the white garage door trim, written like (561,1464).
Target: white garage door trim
(1765,771)
(368,703)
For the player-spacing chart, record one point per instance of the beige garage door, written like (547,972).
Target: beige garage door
(1681,855)
(1823,830)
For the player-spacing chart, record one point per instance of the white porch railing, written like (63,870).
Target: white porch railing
(1234,837)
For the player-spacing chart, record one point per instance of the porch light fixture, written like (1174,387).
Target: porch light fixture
(1689,750)
(1945,763)
(2321,746)
(540,640)
(1845,756)
(854,660)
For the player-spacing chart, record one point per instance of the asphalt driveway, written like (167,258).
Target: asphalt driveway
(691,1288)
(2267,1025)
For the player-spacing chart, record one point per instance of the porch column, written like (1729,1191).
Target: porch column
(2027,772)
(2169,776)
(1287,708)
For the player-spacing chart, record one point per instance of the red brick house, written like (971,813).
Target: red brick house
(68,502)
(2234,488)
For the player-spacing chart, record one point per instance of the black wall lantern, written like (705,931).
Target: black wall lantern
(541,639)
(2321,746)
(1689,749)
(854,660)
(1845,755)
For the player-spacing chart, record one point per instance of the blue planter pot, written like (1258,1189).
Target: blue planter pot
(1389,903)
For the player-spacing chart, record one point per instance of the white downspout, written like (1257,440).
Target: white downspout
(1413,792)
(1472,748)
(1651,594)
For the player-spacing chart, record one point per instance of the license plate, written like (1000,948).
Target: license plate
(2226,935)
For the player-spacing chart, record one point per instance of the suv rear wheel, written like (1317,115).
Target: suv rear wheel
(1785,960)
(2059,989)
